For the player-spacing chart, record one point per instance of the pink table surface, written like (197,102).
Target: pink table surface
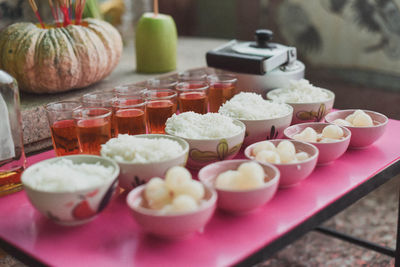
(114,239)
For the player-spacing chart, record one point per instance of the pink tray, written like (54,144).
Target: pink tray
(114,239)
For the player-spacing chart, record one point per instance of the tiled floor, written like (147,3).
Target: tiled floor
(373,218)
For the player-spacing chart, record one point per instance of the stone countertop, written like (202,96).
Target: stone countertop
(191,54)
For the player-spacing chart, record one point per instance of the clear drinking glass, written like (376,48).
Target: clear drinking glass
(193,96)
(160,105)
(192,75)
(129,115)
(129,89)
(12,156)
(62,127)
(100,99)
(93,128)
(161,83)
(222,88)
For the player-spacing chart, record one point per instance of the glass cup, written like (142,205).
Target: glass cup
(93,128)
(162,83)
(62,127)
(160,105)
(192,75)
(129,115)
(222,88)
(193,96)
(129,89)
(100,99)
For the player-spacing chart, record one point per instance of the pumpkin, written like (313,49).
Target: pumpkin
(55,59)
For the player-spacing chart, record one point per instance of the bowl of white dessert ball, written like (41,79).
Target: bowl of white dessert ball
(174,207)
(212,137)
(295,160)
(331,140)
(71,190)
(366,126)
(242,185)
(264,119)
(142,157)
(310,103)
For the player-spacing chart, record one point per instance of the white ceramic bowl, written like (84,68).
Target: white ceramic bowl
(174,225)
(307,112)
(243,201)
(328,152)
(77,207)
(292,173)
(267,129)
(206,151)
(135,174)
(361,137)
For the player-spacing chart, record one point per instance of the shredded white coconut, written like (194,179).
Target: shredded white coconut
(131,149)
(197,126)
(251,106)
(65,176)
(300,91)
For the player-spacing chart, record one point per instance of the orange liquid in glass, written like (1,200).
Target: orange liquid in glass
(219,93)
(10,181)
(130,121)
(158,112)
(92,133)
(64,138)
(193,101)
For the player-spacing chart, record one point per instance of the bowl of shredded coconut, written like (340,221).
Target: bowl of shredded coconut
(144,156)
(264,119)
(211,137)
(310,103)
(71,190)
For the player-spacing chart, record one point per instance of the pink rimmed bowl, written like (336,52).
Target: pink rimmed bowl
(292,173)
(235,201)
(328,152)
(173,225)
(361,136)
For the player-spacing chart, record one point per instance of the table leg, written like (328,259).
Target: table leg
(397,253)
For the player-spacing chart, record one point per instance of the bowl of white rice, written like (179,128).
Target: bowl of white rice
(212,137)
(310,103)
(264,119)
(142,157)
(71,190)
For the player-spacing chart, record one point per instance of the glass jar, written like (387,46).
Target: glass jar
(12,156)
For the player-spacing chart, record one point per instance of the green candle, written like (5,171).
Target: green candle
(156,40)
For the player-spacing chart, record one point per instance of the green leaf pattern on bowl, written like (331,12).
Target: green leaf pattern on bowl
(313,115)
(222,151)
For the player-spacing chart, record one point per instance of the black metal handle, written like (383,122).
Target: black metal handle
(263,36)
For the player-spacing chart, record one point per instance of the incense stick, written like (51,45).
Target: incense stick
(55,14)
(35,9)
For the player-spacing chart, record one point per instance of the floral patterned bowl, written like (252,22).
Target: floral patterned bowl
(259,130)
(174,225)
(308,112)
(206,151)
(76,207)
(135,174)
